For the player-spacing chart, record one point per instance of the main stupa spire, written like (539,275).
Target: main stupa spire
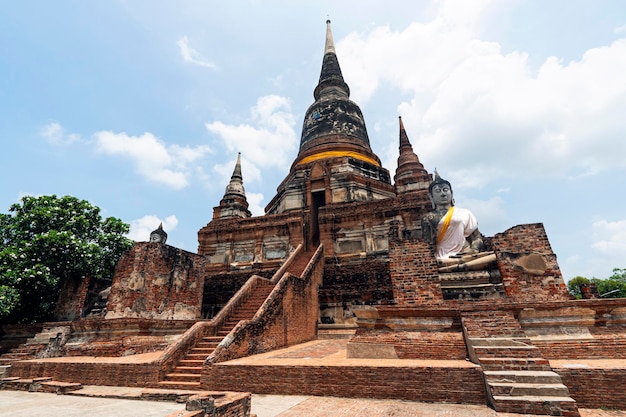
(335,163)
(333,125)
(331,80)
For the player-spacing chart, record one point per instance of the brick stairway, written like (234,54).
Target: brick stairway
(518,378)
(50,338)
(186,374)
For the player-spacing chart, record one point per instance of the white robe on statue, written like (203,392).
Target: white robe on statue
(462,224)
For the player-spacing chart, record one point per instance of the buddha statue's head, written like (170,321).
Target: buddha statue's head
(440,192)
(158,235)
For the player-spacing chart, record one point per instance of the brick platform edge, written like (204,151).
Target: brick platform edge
(425,384)
(595,387)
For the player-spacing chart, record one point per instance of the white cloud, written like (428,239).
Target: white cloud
(480,113)
(171,165)
(55,134)
(609,238)
(269,139)
(141,228)
(191,55)
(491,215)
(255,201)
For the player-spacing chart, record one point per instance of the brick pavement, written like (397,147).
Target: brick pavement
(347,407)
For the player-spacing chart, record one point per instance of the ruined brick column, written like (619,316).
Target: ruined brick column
(413,270)
(528,266)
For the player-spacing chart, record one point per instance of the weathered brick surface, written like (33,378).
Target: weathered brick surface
(414,273)
(528,266)
(595,388)
(428,384)
(90,373)
(607,346)
(157,281)
(416,344)
(347,283)
(121,337)
(72,298)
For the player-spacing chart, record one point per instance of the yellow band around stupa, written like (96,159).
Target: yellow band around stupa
(335,154)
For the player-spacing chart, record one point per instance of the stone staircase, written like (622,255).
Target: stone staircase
(188,371)
(517,377)
(45,344)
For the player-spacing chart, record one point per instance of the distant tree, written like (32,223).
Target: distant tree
(611,287)
(614,286)
(573,285)
(46,241)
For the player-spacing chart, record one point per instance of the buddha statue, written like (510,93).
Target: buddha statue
(453,231)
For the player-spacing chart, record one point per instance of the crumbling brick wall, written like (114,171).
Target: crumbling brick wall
(528,265)
(72,299)
(157,281)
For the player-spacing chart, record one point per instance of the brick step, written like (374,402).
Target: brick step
(548,377)
(16,355)
(183,369)
(510,364)
(201,350)
(179,384)
(176,377)
(197,356)
(539,405)
(517,389)
(207,345)
(191,362)
(507,351)
(245,312)
(212,339)
(500,341)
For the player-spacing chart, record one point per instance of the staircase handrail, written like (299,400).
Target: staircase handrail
(281,271)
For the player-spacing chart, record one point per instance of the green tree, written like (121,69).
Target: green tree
(46,241)
(614,286)
(573,285)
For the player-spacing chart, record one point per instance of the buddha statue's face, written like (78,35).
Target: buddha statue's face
(441,195)
(155,237)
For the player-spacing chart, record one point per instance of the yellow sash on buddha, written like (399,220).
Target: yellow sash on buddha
(446,223)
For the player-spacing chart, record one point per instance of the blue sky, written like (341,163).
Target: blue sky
(140,107)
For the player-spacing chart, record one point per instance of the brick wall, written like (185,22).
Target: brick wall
(611,346)
(445,385)
(416,344)
(89,372)
(72,299)
(528,266)
(595,388)
(414,275)
(357,282)
(157,281)
(121,337)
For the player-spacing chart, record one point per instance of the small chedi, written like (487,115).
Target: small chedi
(389,267)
